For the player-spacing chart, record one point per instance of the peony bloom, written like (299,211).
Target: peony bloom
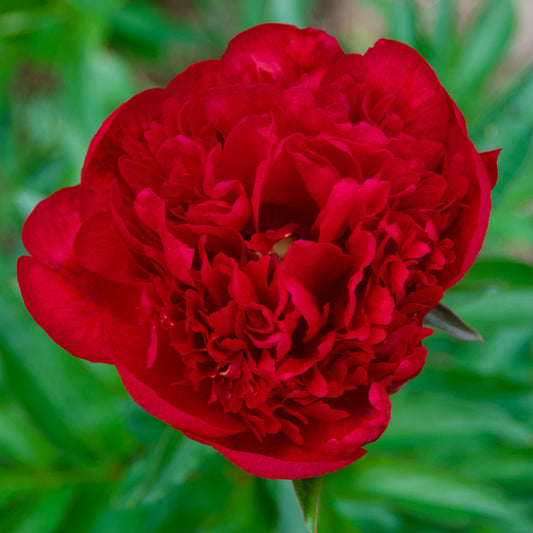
(255,246)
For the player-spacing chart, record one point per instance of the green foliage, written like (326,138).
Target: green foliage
(308,493)
(444,319)
(77,455)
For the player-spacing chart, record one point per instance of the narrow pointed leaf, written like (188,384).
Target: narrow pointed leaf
(484,44)
(308,494)
(445,320)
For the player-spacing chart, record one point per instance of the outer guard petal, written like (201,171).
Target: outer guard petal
(268,467)
(74,307)
(75,310)
(482,219)
(490,161)
(327,446)
(471,226)
(98,249)
(145,396)
(48,233)
(394,68)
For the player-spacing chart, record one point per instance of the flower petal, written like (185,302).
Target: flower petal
(490,161)
(262,465)
(74,308)
(48,233)
(393,68)
(153,388)
(99,249)
(131,120)
(282,53)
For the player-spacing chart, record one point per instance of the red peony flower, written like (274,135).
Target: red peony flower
(255,246)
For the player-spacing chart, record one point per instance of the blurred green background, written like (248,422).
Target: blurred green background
(77,455)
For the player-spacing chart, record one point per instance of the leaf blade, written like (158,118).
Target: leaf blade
(445,320)
(308,494)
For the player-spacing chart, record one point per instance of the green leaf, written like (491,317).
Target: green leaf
(150,28)
(34,367)
(181,463)
(255,510)
(445,320)
(288,12)
(506,354)
(143,472)
(495,308)
(27,478)
(308,494)
(35,402)
(90,502)
(484,45)
(287,509)
(437,496)
(47,511)
(502,123)
(402,19)
(513,469)
(21,441)
(17,23)
(368,515)
(168,464)
(431,418)
(445,27)
(500,273)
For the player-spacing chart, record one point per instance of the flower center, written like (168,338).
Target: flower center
(281,247)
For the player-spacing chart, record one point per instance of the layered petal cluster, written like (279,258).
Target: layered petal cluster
(255,247)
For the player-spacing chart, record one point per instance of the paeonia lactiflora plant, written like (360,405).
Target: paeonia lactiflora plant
(255,247)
